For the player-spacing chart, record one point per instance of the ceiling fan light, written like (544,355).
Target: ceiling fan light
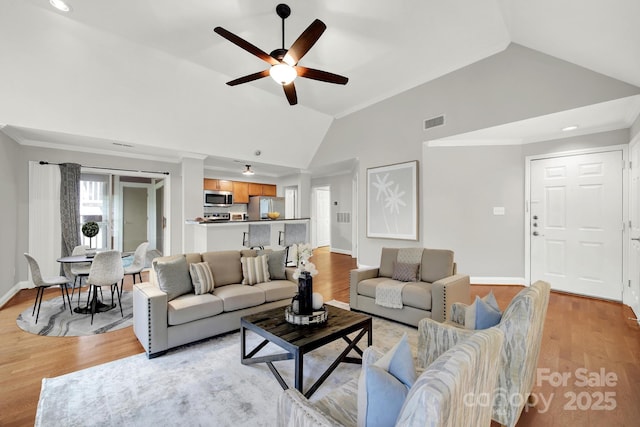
(60,5)
(289,60)
(283,73)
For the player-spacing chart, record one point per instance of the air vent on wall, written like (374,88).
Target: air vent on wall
(434,122)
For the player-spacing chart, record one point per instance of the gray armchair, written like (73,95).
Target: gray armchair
(522,323)
(439,397)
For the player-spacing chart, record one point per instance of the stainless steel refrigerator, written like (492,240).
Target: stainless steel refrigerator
(260,205)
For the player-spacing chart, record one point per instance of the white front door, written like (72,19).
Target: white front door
(576,223)
(634,214)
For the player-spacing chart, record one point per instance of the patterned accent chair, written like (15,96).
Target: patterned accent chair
(443,395)
(522,323)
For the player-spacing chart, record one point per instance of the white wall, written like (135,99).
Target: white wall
(516,84)
(63,76)
(635,127)
(11,258)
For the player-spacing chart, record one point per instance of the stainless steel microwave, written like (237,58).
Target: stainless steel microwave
(218,198)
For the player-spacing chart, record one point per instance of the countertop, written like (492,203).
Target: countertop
(227,222)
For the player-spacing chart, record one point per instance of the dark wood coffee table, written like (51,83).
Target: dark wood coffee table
(298,340)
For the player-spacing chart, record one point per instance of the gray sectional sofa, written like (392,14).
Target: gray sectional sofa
(161,324)
(431,294)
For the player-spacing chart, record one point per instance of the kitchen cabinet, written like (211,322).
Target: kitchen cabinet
(256,189)
(218,184)
(240,192)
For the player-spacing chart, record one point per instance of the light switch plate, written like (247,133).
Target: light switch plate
(498,210)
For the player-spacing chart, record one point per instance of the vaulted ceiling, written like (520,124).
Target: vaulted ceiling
(152,73)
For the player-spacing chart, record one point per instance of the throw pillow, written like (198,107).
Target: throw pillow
(276,261)
(255,270)
(405,272)
(173,276)
(483,313)
(201,277)
(384,385)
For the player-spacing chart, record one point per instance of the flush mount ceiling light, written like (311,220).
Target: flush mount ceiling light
(284,62)
(569,128)
(60,5)
(247,170)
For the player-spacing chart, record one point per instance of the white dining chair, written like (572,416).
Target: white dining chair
(80,270)
(139,258)
(106,271)
(41,284)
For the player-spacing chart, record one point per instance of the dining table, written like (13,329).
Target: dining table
(73,259)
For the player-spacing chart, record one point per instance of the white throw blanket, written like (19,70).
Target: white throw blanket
(389,292)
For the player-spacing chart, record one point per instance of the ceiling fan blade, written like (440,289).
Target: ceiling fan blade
(249,78)
(238,41)
(307,39)
(290,91)
(323,76)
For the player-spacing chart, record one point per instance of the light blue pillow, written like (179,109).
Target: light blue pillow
(486,314)
(384,385)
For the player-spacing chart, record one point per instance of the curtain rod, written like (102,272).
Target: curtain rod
(42,162)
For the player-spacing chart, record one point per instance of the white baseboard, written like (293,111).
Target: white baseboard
(339,251)
(479,280)
(13,291)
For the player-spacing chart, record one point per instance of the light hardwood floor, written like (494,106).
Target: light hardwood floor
(580,333)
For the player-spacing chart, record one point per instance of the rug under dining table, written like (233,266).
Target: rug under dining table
(56,320)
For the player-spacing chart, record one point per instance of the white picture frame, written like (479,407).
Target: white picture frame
(392,201)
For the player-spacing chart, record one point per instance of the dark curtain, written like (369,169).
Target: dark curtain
(69,208)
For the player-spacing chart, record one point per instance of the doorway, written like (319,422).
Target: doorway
(574,223)
(633,285)
(322,216)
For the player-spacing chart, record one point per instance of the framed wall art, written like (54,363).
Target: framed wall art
(392,201)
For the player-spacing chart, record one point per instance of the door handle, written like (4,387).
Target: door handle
(636,239)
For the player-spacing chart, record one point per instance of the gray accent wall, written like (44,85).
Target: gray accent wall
(11,259)
(516,84)
(462,185)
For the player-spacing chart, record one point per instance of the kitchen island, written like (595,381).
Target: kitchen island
(227,235)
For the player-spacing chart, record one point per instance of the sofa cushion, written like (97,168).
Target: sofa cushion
(384,385)
(255,269)
(436,264)
(190,307)
(276,290)
(414,294)
(201,277)
(276,261)
(173,276)
(236,297)
(225,266)
(387,259)
(405,272)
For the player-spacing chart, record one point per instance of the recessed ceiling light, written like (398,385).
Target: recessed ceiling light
(60,5)
(568,128)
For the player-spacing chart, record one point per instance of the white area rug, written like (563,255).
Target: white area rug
(57,321)
(201,384)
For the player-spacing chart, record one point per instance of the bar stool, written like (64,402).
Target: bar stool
(258,236)
(293,234)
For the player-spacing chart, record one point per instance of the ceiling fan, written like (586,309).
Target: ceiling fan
(284,63)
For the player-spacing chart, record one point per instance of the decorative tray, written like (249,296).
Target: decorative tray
(315,318)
